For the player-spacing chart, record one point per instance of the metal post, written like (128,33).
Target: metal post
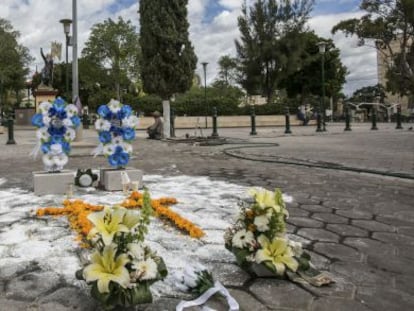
(323,94)
(318,121)
(399,126)
(287,121)
(205,90)
(347,119)
(214,134)
(253,121)
(10,141)
(172,122)
(67,67)
(374,118)
(75,77)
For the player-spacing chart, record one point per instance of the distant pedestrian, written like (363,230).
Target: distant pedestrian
(155,131)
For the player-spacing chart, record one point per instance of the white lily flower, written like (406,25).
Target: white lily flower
(114,106)
(102,125)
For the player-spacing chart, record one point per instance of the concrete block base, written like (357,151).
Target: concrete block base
(53,183)
(111,179)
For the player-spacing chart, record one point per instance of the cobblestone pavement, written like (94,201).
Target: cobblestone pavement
(358,226)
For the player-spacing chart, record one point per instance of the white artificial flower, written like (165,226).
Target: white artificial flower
(60,160)
(127,147)
(44,107)
(147,269)
(56,149)
(118,140)
(242,238)
(136,251)
(71,110)
(67,122)
(70,134)
(131,121)
(109,149)
(42,134)
(46,120)
(296,248)
(114,106)
(190,277)
(262,223)
(48,160)
(102,125)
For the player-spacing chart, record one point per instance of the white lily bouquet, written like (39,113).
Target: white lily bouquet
(196,279)
(259,242)
(122,268)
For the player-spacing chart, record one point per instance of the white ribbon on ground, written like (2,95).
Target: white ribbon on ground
(36,150)
(218,288)
(97,151)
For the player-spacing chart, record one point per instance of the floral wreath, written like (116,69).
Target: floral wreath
(116,127)
(56,124)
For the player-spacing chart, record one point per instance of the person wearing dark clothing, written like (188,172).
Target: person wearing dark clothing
(155,131)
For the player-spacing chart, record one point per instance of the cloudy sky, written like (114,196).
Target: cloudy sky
(213,28)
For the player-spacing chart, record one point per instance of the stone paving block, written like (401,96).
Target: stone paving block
(385,298)
(347,230)
(297,212)
(321,262)
(404,282)
(354,214)
(70,297)
(373,225)
(370,246)
(277,293)
(304,222)
(394,238)
(394,221)
(337,251)
(330,218)
(361,274)
(406,251)
(316,208)
(318,235)
(13,305)
(342,288)
(32,285)
(392,263)
(229,274)
(53,183)
(336,304)
(408,231)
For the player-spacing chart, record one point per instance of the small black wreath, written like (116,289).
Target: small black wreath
(85,178)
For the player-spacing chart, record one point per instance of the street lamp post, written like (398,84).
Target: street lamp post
(322,47)
(28,86)
(66,22)
(205,88)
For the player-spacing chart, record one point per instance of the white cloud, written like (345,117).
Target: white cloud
(38,22)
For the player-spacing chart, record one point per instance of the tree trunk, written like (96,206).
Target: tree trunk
(166,116)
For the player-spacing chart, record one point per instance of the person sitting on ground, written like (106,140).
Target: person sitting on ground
(155,131)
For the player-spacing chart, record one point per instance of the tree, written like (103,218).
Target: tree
(269,42)
(390,24)
(303,83)
(14,61)
(114,46)
(227,70)
(168,59)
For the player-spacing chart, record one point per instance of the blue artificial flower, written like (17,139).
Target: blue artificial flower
(59,103)
(56,131)
(37,120)
(105,137)
(113,159)
(45,147)
(65,147)
(76,121)
(128,133)
(56,139)
(104,112)
(123,159)
(118,150)
(125,112)
(118,131)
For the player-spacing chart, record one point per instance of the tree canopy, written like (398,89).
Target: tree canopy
(390,24)
(168,59)
(114,47)
(269,43)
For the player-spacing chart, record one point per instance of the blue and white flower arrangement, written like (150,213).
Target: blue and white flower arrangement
(56,123)
(116,127)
